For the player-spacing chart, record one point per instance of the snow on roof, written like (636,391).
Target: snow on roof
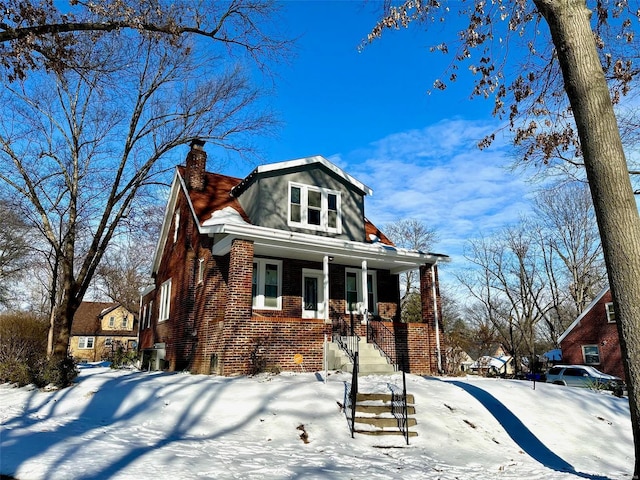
(225,216)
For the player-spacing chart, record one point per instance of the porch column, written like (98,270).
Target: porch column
(365,290)
(325,287)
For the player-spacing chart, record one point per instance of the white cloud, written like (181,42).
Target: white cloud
(438,175)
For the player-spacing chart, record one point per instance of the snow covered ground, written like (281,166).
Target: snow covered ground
(149,425)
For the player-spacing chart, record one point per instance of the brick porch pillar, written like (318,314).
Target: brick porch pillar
(237,315)
(432,314)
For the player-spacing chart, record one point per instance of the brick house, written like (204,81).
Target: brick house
(99,328)
(592,339)
(256,272)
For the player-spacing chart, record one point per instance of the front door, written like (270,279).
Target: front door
(312,294)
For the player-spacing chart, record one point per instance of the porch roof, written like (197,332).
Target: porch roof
(302,246)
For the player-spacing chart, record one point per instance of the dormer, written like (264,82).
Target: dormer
(308,195)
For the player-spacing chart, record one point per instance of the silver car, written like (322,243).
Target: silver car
(583,376)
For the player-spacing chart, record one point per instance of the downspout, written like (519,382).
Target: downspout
(325,287)
(436,316)
(365,294)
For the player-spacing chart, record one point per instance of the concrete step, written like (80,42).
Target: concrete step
(384,432)
(381,397)
(384,422)
(381,409)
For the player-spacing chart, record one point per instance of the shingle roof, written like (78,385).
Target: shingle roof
(86,321)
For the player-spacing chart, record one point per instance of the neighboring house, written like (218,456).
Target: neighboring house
(592,339)
(256,272)
(99,328)
(489,366)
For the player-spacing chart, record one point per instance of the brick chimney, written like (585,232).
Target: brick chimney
(196,165)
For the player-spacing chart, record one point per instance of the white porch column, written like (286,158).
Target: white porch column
(325,287)
(365,290)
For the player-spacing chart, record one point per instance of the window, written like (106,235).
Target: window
(112,322)
(611,314)
(124,321)
(165,301)
(314,208)
(108,342)
(85,343)
(200,270)
(353,291)
(149,313)
(266,284)
(591,354)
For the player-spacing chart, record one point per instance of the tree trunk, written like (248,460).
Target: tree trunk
(62,317)
(607,173)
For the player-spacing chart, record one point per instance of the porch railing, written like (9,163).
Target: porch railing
(384,339)
(351,397)
(344,335)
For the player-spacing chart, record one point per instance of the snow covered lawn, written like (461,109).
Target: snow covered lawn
(120,424)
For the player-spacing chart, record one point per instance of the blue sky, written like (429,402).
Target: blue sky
(370,113)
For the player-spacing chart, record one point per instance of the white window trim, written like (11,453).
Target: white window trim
(176,226)
(200,270)
(324,208)
(608,307)
(373,309)
(165,301)
(584,356)
(112,322)
(83,343)
(108,341)
(125,322)
(258,300)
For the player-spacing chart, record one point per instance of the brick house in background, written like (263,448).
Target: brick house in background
(592,339)
(99,328)
(253,273)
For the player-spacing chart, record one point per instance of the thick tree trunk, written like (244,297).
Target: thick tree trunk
(607,172)
(62,318)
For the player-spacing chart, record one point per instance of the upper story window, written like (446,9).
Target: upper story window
(112,322)
(124,321)
(314,208)
(165,301)
(266,285)
(611,314)
(85,342)
(353,291)
(200,270)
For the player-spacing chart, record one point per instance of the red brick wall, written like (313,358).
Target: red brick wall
(594,329)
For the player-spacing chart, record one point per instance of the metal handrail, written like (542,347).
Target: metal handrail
(344,335)
(384,339)
(399,407)
(351,397)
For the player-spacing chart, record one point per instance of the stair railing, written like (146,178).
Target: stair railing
(351,397)
(344,335)
(399,407)
(384,340)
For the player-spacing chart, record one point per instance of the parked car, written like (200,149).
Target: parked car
(583,376)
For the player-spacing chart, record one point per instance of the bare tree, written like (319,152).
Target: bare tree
(14,251)
(594,65)
(570,244)
(412,234)
(38,33)
(81,145)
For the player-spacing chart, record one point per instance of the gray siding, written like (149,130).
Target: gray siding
(266,200)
